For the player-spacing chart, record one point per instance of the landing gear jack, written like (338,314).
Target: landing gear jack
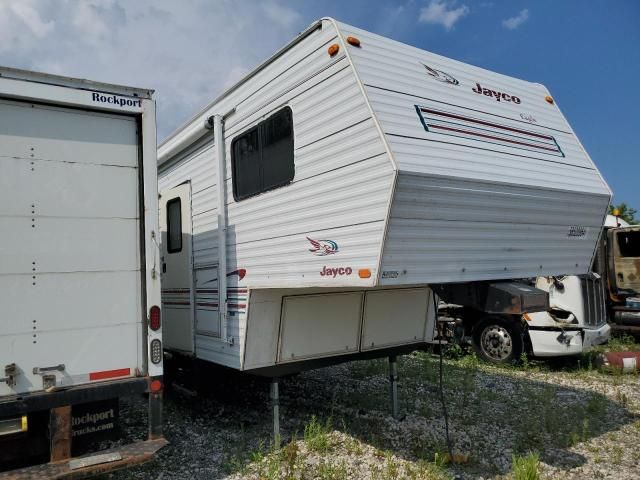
(275,406)
(393,379)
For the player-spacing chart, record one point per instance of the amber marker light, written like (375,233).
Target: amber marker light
(549,99)
(353,41)
(526,316)
(333,49)
(364,273)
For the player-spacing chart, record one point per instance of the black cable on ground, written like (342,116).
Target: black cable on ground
(441,389)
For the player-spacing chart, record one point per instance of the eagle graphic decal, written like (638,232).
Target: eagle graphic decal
(322,248)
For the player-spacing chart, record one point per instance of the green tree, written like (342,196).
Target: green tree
(625,212)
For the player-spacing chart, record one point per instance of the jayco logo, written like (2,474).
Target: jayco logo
(495,94)
(323,247)
(334,272)
(441,76)
(115,100)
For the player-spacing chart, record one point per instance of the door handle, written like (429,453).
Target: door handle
(164,267)
(41,370)
(10,372)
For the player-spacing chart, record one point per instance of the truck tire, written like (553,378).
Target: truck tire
(498,340)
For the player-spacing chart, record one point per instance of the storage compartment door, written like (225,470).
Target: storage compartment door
(177,273)
(395,317)
(207,311)
(316,326)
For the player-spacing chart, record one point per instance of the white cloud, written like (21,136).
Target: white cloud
(442,13)
(514,22)
(188,51)
(20,23)
(283,16)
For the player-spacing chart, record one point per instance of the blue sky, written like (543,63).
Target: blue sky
(586,52)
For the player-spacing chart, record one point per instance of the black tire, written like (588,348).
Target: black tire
(498,340)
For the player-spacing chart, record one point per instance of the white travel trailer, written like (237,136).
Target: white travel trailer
(307,211)
(79,270)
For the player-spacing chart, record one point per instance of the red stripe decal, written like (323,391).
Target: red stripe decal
(121,372)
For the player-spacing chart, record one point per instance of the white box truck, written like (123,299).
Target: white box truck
(79,276)
(308,212)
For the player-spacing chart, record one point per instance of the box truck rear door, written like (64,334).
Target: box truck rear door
(70,279)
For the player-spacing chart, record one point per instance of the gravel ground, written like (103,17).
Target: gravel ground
(336,424)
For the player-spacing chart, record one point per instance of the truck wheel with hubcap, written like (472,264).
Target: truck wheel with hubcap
(498,340)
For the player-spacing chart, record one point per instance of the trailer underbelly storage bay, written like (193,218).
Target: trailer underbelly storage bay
(309,211)
(78,216)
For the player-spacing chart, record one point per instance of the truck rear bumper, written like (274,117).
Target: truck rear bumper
(20,404)
(557,343)
(92,464)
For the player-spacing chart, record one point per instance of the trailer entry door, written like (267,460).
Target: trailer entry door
(177,274)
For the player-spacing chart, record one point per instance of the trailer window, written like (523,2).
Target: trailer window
(262,158)
(629,243)
(174,225)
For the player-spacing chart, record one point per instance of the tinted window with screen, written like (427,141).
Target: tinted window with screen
(262,158)
(174,225)
(629,243)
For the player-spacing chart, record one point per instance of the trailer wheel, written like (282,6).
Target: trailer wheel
(498,340)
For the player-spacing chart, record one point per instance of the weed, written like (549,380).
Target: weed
(454,351)
(425,471)
(524,361)
(616,454)
(622,398)
(440,459)
(526,468)
(316,435)
(289,458)
(391,467)
(331,471)
(621,343)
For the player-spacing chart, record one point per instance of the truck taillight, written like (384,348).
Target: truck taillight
(154,318)
(156,351)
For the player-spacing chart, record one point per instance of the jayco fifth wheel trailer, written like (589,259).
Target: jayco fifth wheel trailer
(79,271)
(306,211)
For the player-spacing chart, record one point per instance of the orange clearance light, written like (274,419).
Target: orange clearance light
(353,41)
(549,99)
(364,273)
(155,386)
(526,316)
(333,49)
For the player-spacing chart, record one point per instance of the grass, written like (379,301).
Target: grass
(331,471)
(527,467)
(534,414)
(316,435)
